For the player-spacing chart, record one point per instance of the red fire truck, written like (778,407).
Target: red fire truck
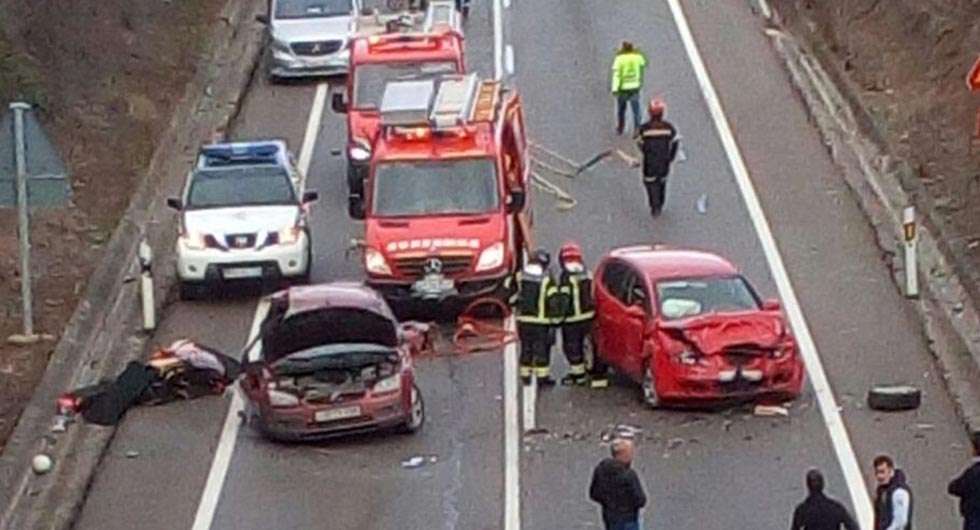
(446,197)
(391,48)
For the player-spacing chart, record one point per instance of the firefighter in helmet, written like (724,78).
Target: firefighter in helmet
(575,288)
(658,141)
(534,314)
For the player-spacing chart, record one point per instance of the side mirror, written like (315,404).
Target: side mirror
(516,200)
(174,202)
(310,196)
(338,103)
(262,19)
(771,304)
(355,207)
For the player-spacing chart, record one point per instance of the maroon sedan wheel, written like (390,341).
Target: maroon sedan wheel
(416,416)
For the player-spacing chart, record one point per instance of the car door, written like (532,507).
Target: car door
(611,311)
(636,318)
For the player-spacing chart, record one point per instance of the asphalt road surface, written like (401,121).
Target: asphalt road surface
(704,470)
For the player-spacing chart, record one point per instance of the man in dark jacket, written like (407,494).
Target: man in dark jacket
(819,512)
(967,488)
(616,487)
(658,142)
(893,498)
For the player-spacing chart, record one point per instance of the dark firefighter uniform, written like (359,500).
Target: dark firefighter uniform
(534,311)
(575,288)
(658,142)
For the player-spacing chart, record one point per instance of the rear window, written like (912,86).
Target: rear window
(370,79)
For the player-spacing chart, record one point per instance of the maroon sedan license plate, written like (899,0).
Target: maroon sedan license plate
(342,413)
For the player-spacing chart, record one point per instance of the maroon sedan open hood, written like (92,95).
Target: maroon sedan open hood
(338,313)
(712,333)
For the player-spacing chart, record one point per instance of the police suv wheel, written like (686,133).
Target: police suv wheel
(190,291)
(894,397)
(650,397)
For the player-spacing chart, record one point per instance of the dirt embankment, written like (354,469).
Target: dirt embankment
(106,75)
(906,61)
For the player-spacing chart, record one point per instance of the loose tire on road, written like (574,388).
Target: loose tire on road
(894,397)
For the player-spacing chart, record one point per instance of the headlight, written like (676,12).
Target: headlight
(687,357)
(388,384)
(289,236)
(374,262)
(282,399)
(194,240)
(783,350)
(359,153)
(279,46)
(491,257)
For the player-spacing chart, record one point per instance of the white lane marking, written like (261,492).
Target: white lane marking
(509,65)
(818,378)
(208,505)
(498,41)
(512,491)
(766,10)
(506,4)
(312,127)
(529,397)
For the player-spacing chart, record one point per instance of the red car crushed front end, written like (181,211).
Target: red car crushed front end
(728,356)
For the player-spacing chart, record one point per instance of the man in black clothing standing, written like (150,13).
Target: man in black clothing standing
(658,142)
(616,487)
(967,488)
(819,512)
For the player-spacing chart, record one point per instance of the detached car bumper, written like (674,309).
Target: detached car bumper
(302,424)
(283,64)
(269,263)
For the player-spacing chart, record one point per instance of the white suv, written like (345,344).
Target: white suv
(243,216)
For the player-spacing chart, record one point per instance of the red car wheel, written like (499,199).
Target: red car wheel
(416,415)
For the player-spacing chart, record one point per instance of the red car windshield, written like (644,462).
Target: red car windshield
(684,298)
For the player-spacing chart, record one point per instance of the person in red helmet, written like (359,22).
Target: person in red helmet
(657,139)
(578,311)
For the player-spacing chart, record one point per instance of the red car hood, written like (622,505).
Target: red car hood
(431,234)
(713,333)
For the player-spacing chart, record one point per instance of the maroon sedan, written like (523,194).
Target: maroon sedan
(331,359)
(689,328)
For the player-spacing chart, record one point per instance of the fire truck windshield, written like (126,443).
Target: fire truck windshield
(426,187)
(370,78)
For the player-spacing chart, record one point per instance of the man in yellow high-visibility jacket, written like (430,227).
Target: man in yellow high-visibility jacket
(627,80)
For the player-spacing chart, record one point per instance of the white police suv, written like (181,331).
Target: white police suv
(243,216)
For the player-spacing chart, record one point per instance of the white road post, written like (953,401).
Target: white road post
(23,217)
(146,286)
(911,234)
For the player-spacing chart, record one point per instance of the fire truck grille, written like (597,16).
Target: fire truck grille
(316,48)
(449,266)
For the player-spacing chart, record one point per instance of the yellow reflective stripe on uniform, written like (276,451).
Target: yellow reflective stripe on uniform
(577,314)
(542,308)
(526,371)
(576,369)
(542,371)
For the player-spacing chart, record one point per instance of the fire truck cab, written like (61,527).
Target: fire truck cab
(446,198)
(389,49)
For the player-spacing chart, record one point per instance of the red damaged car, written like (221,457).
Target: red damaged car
(331,359)
(689,328)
